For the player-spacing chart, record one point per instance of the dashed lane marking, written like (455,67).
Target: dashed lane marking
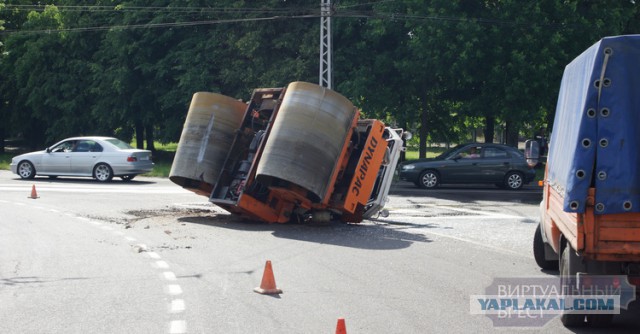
(177,327)
(174,289)
(177,305)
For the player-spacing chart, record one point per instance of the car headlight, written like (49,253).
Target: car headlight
(408,167)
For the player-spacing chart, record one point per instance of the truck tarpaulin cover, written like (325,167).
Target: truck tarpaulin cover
(596,134)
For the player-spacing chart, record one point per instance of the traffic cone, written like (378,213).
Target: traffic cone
(268,285)
(341,328)
(34,193)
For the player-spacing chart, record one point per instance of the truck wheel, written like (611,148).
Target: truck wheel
(568,270)
(538,252)
(428,179)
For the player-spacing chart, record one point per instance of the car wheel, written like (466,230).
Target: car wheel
(127,178)
(103,172)
(514,180)
(538,252)
(26,170)
(428,179)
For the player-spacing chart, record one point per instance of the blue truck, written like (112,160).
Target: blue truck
(590,212)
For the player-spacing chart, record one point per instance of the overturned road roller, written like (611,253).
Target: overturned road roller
(294,154)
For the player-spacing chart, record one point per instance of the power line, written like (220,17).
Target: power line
(281,14)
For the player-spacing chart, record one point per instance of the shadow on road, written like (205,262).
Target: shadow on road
(362,236)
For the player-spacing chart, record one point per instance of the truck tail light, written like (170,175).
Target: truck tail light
(132,159)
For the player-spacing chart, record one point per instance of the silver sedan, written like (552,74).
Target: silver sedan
(99,157)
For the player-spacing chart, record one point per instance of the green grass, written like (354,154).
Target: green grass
(432,152)
(5,160)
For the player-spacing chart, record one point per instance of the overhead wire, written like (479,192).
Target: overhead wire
(263,14)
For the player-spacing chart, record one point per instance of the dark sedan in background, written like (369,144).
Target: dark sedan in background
(501,165)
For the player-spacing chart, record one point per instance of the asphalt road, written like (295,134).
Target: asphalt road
(149,257)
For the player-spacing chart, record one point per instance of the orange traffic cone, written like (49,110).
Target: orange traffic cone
(34,193)
(268,285)
(341,328)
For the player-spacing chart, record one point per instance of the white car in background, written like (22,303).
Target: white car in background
(99,157)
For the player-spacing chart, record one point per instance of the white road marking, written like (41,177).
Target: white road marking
(481,244)
(161,265)
(174,289)
(177,306)
(169,276)
(475,214)
(103,189)
(177,327)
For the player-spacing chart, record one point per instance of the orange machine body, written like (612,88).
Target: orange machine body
(351,181)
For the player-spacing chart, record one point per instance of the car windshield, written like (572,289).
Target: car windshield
(119,143)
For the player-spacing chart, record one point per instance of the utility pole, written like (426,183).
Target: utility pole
(326,45)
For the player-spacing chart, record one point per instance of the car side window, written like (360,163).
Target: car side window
(96,147)
(83,146)
(66,146)
(88,146)
(471,153)
(495,153)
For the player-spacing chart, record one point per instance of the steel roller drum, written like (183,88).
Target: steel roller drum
(307,138)
(206,138)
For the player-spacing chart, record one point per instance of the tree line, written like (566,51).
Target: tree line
(448,70)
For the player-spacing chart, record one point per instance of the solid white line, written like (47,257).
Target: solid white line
(169,276)
(178,327)
(416,213)
(174,289)
(154,255)
(481,244)
(177,306)
(478,212)
(130,239)
(106,189)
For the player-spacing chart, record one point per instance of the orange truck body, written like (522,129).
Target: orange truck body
(610,237)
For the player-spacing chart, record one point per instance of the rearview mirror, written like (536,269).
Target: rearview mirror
(532,152)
